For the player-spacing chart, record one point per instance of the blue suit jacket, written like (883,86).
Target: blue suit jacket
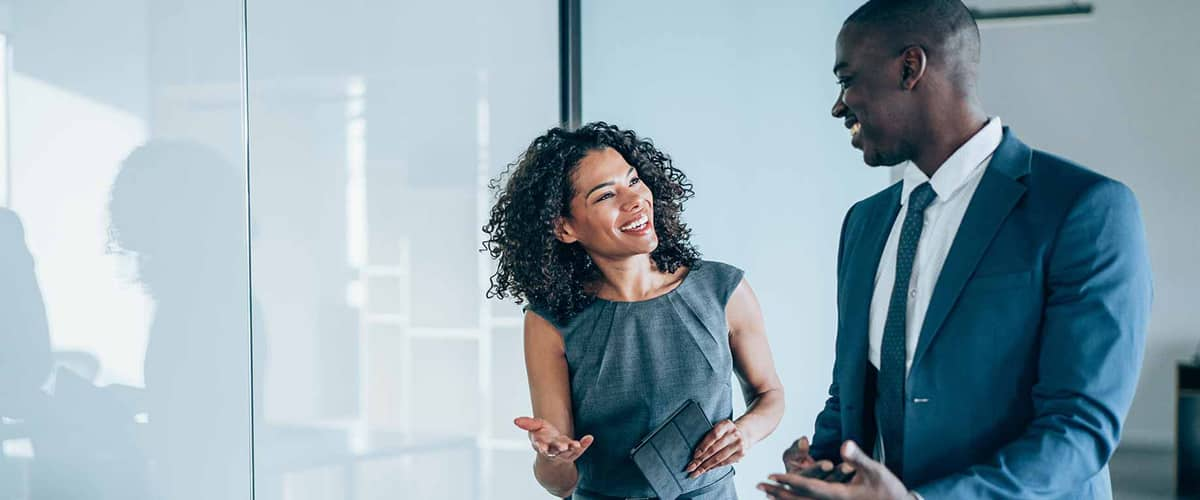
(1031,347)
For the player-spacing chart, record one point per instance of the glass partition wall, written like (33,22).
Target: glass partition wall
(239,243)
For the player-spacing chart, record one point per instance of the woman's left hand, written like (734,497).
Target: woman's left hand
(725,444)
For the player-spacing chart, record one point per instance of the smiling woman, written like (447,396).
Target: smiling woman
(625,323)
(611,168)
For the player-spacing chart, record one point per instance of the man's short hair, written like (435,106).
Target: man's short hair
(945,29)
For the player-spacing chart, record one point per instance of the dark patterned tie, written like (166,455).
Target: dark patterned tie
(893,348)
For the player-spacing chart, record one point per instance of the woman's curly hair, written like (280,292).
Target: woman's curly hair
(533,265)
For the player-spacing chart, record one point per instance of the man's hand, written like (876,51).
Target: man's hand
(796,458)
(871,481)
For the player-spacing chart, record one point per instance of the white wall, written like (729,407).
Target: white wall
(739,94)
(1117,92)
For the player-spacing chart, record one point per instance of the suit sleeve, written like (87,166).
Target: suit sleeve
(1098,294)
(827,436)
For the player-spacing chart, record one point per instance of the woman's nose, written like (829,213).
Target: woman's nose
(631,201)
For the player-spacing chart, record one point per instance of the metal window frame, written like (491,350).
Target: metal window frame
(1070,9)
(569,51)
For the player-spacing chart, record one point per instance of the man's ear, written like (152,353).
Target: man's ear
(563,230)
(913,62)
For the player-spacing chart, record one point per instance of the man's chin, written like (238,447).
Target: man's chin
(877,159)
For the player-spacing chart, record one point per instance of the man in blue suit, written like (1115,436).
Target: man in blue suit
(992,305)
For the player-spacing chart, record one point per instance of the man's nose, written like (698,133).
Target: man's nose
(839,106)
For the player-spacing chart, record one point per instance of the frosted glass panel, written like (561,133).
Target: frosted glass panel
(374,128)
(124,311)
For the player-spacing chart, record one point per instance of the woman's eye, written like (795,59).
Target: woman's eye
(604,196)
(634,181)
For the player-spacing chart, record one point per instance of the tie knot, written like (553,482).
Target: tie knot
(921,197)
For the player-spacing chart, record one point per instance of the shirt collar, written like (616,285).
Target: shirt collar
(953,174)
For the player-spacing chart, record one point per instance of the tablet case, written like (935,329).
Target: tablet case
(665,452)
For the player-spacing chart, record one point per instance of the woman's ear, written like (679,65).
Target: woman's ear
(563,231)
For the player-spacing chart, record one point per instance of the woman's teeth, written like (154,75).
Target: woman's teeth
(637,224)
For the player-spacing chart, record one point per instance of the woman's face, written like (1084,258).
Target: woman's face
(612,212)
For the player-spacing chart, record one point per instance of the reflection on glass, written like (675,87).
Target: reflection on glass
(124,301)
(388,369)
(173,205)
(4,194)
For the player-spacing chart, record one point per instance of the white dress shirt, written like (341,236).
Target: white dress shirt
(954,183)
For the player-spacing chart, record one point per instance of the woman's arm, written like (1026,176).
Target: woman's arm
(754,365)
(755,368)
(551,428)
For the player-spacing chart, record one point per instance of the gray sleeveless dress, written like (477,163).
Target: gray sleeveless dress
(632,364)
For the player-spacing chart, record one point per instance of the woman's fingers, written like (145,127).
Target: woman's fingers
(713,451)
(547,441)
(573,452)
(723,435)
(731,452)
(529,424)
(561,445)
(718,431)
(563,449)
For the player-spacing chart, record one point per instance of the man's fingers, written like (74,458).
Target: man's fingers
(799,449)
(818,470)
(796,466)
(854,455)
(776,491)
(843,473)
(796,456)
(809,487)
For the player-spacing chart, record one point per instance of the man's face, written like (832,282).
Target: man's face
(872,103)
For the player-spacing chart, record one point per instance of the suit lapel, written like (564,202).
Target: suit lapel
(862,265)
(999,191)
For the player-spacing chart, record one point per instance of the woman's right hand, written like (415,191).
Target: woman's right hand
(548,442)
